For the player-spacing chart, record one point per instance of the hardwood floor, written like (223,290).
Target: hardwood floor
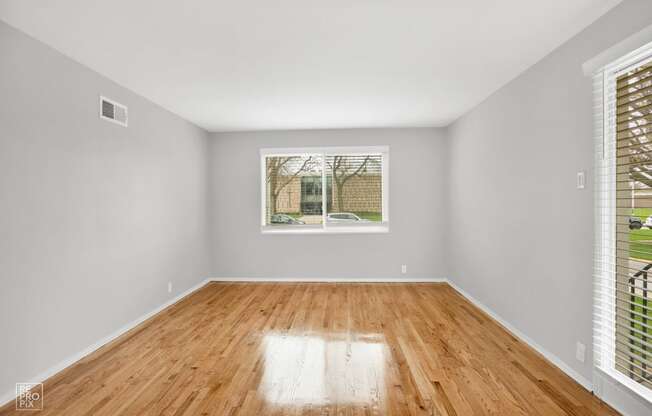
(317,349)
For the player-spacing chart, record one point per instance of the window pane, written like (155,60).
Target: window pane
(293,190)
(355,188)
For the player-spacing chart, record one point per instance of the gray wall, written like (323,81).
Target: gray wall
(95,219)
(417,210)
(520,232)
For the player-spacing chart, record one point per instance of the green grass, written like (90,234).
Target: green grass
(371,216)
(642,213)
(640,251)
(647,312)
(640,245)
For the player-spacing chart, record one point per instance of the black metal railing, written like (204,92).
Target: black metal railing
(642,276)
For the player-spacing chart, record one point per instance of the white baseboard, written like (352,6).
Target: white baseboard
(11,395)
(584,382)
(332,279)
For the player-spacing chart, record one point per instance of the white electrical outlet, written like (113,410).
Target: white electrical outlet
(169,287)
(581,180)
(404,268)
(580,352)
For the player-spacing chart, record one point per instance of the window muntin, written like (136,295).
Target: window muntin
(325,189)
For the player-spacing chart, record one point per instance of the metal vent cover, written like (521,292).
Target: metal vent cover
(113,111)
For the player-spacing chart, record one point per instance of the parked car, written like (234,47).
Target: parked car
(285,219)
(648,222)
(635,223)
(344,217)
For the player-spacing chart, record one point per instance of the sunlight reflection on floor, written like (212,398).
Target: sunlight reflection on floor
(342,368)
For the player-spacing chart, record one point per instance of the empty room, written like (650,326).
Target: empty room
(293,207)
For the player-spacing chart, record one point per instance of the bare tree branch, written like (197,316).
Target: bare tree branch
(276,165)
(357,172)
(303,168)
(341,174)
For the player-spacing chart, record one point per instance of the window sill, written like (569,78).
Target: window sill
(329,229)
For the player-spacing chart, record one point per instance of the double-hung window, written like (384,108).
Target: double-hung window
(623,256)
(325,190)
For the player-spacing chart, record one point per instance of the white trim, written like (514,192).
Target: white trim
(626,63)
(324,192)
(329,229)
(41,377)
(263,190)
(330,150)
(558,362)
(331,279)
(618,51)
(384,190)
(115,104)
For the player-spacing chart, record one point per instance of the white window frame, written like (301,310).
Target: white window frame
(605,226)
(325,227)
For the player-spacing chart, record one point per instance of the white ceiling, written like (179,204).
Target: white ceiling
(289,64)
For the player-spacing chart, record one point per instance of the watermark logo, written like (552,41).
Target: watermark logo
(29,396)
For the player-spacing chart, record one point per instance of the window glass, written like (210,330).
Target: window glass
(293,190)
(356,182)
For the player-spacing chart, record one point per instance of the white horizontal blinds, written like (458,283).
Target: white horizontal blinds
(293,190)
(355,188)
(629,109)
(605,247)
(604,284)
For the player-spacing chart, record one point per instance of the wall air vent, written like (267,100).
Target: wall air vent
(113,111)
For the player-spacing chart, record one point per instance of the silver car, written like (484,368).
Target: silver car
(648,222)
(285,219)
(344,217)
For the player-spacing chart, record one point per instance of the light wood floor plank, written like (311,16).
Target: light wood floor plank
(317,349)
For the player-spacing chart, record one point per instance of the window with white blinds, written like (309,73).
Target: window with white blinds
(320,190)
(623,257)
